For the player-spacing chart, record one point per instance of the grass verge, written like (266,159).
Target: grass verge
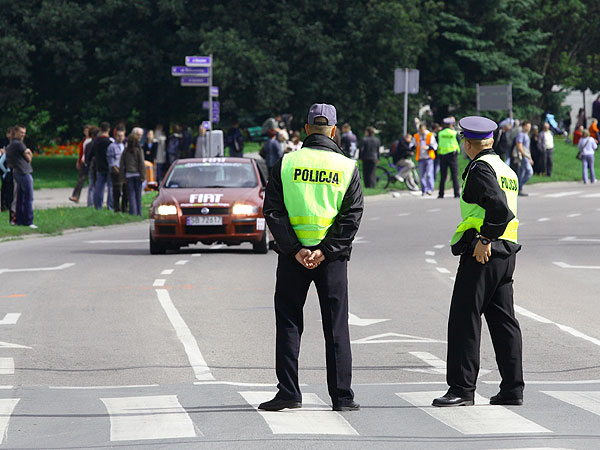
(54,221)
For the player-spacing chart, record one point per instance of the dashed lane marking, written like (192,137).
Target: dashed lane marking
(150,417)
(562,194)
(576,239)
(167,272)
(438,246)
(315,417)
(13,296)
(181,262)
(430,253)
(591,196)
(374,218)
(480,419)
(404,214)
(117,241)
(159,282)
(430,261)
(434,210)
(10,319)
(199,365)
(543,219)
(442,270)
(570,216)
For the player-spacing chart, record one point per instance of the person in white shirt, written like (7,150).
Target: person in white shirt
(546,147)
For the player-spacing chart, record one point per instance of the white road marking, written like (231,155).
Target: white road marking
(181,262)
(152,417)
(576,239)
(388,338)
(217,247)
(11,345)
(452,278)
(7,366)
(374,218)
(235,383)
(7,406)
(438,366)
(588,400)
(496,382)
(535,448)
(430,253)
(10,319)
(562,194)
(196,255)
(570,216)
(201,369)
(565,328)
(403,214)
(159,282)
(355,320)
(543,219)
(117,241)
(128,386)
(480,419)
(430,261)
(360,240)
(442,270)
(439,246)
(591,196)
(38,269)
(434,210)
(564,265)
(167,272)
(315,417)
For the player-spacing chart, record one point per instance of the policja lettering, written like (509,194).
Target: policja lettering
(319,176)
(510,184)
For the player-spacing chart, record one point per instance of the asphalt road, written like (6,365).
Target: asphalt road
(103,345)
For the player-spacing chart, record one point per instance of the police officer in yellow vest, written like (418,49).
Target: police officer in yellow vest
(486,241)
(448,150)
(313,206)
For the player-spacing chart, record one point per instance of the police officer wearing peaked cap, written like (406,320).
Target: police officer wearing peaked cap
(313,206)
(486,241)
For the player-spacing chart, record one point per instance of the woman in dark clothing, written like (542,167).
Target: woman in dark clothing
(537,156)
(132,171)
(150,147)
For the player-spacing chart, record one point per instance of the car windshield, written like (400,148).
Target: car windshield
(212,175)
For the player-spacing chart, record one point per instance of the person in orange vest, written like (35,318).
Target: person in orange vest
(425,145)
(594,129)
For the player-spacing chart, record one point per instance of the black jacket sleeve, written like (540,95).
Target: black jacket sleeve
(276,215)
(482,188)
(338,241)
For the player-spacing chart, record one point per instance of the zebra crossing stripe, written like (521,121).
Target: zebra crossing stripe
(479,419)
(150,417)
(7,366)
(588,400)
(315,417)
(7,406)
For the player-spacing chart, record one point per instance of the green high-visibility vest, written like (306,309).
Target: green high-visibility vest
(447,142)
(314,185)
(473,214)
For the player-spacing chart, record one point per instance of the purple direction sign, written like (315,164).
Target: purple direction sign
(215,112)
(194,81)
(198,61)
(181,71)
(205,104)
(214,91)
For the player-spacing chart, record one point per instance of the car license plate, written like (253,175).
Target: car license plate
(204,220)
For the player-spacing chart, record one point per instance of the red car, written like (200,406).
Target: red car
(209,200)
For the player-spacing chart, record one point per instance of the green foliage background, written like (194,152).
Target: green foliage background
(67,62)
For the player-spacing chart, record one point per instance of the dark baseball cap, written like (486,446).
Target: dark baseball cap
(322,110)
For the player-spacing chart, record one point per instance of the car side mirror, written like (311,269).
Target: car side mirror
(153,185)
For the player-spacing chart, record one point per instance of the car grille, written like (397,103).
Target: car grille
(244,228)
(166,229)
(198,211)
(204,230)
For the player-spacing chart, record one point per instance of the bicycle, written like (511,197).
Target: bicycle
(390,174)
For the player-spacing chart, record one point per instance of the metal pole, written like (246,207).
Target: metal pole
(477,96)
(405,101)
(210,104)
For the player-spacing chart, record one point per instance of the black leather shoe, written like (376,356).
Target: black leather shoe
(277,404)
(450,399)
(499,399)
(346,407)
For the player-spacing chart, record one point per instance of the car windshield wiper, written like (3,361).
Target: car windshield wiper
(214,186)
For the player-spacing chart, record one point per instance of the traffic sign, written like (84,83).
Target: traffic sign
(195,81)
(180,71)
(494,98)
(206,125)
(198,61)
(214,91)
(206,105)
(215,112)
(410,85)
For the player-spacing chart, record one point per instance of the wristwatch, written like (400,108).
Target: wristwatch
(483,240)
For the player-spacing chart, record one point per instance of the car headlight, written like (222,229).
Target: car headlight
(166,210)
(241,209)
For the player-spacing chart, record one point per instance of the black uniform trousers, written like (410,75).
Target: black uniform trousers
(449,160)
(331,281)
(484,289)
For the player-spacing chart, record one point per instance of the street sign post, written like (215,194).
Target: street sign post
(494,98)
(195,81)
(182,71)
(214,91)
(198,61)
(406,81)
